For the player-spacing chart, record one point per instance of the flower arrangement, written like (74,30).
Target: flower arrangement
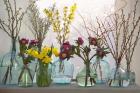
(39,26)
(65,53)
(61,26)
(25,44)
(84,52)
(121,36)
(12,27)
(44,58)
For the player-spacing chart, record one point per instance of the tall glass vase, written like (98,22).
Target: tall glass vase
(62,71)
(10,66)
(86,77)
(102,70)
(118,78)
(43,75)
(130,74)
(25,78)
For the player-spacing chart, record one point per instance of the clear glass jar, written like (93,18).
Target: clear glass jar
(118,78)
(26,77)
(81,77)
(102,70)
(10,65)
(62,71)
(10,68)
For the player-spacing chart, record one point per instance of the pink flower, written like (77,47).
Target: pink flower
(93,41)
(80,41)
(23,41)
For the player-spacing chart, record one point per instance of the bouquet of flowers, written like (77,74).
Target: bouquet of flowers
(44,57)
(24,46)
(85,52)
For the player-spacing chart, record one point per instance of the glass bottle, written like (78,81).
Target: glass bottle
(102,70)
(62,71)
(25,78)
(81,77)
(10,66)
(118,78)
(43,75)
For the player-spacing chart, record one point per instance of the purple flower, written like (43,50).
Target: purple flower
(33,42)
(80,41)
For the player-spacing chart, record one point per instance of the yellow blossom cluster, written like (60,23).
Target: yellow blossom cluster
(44,55)
(61,23)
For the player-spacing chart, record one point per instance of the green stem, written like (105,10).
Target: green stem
(61,66)
(43,75)
(100,71)
(87,72)
(39,49)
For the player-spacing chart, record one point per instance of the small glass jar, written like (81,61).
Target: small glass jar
(25,78)
(85,79)
(10,68)
(102,70)
(43,75)
(62,71)
(118,78)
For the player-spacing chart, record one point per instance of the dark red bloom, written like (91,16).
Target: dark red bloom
(23,41)
(93,41)
(33,42)
(80,41)
(65,51)
(65,47)
(100,52)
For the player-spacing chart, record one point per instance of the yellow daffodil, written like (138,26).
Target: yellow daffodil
(32,52)
(29,51)
(55,52)
(44,54)
(47,59)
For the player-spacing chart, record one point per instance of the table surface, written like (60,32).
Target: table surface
(71,88)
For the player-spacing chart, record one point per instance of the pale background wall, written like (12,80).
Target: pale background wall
(89,9)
